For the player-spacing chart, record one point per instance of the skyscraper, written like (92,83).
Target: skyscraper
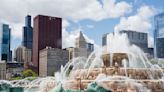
(82,49)
(5,34)
(51,60)
(159,36)
(80,41)
(22,54)
(137,38)
(47,32)
(27,33)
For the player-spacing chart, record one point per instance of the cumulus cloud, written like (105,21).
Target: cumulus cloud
(69,9)
(90,26)
(114,9)
(69,38)
(15,10)
(140,22)
(16,30)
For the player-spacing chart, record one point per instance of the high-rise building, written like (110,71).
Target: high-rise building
(47,32)
(22,54)
(27,33)
(1,31)
(2,70)
(5,34)
(51,60)
(159,36)
(82,49)
(80,41)
(139,39)
(18,54)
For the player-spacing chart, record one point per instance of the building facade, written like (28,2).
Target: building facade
(82,49)
(80,41)
(90,47)
(14,69)
(27,33)
(1,41)
(6,53)
(139,39)
(159,36)
(2,70)
(47,32)
(22,54)
(51,60)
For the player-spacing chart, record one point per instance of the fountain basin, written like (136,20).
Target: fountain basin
(133,73)
(119,85)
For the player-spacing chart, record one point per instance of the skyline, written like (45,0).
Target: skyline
(77,18)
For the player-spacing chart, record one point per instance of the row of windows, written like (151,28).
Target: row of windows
(139,36)
(5,40)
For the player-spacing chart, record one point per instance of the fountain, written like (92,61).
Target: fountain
(118,67)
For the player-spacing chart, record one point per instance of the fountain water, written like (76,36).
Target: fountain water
(117,67)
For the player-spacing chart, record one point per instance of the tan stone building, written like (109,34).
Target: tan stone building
(2,70)
(82,49)
(22,54)
(50,60)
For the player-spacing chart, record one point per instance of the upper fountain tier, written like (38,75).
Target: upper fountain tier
(114,59)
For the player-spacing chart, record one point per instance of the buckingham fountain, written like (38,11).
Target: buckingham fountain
(118,67)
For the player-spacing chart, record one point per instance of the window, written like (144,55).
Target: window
(5,41)
(4,57)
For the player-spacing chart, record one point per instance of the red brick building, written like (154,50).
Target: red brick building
(47,32)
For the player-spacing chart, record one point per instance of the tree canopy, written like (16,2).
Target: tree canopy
(29,73)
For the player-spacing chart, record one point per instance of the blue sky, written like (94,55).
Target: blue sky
(92,17)
(107,25)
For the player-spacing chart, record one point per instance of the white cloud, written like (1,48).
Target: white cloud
(90,26)
(15,10)
(16,30)
(140,22)
(150,41)
(114,9)
(69,38)
(69,9)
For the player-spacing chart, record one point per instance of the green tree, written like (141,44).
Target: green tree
(29,73)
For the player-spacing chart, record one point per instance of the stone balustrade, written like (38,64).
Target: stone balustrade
(120,85)
(133,73)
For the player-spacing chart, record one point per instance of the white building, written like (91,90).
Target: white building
(82,49)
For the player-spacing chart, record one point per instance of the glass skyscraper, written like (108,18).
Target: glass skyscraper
(27,33)
(159,36)
(0,42)
(5,34)
(137,38)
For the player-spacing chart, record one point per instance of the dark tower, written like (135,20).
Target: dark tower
(27,33)
(5,36)
(47,32)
